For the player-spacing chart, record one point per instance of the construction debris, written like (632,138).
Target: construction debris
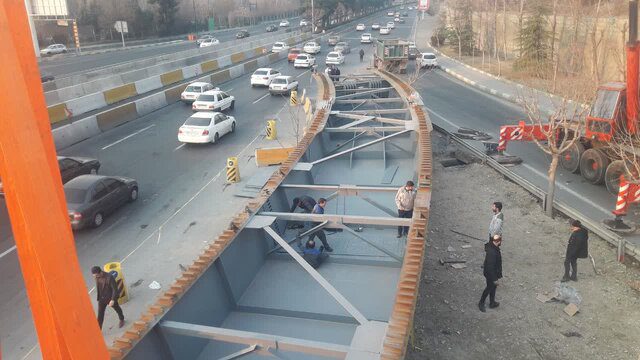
(154,285)
(458,266)
(451,261)
(571,309)
(467,235)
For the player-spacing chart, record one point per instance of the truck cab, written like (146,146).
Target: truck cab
(607,112)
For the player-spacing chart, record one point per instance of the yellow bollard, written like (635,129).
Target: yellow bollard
(302,97)
(307,105)
(233,172)
(115,270)
(293,100)
(272,133)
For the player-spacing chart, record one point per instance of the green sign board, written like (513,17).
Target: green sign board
(212,23)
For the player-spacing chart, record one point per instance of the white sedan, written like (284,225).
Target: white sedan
(365,38)
(209,42)
(360,27)
(304,22)
(334,58)
(193,90)
(214,100)
(304,61)
(279,46)
(206,127)
(375,26)
(391,25)
(311,47)
(284,23)
(264,76)
(54,49)
(385,31)
(283,85)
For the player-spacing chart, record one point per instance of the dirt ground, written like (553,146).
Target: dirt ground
(448,324)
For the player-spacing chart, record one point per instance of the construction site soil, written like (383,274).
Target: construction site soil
(448,324)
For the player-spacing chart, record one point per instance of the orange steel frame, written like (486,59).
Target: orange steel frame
(60,304)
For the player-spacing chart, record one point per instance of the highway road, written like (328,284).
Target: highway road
(182,201)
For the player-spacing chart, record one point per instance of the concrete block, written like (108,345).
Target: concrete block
(264,60)
(75,132)
(171,77)
(52,98)
(117,116)
(86,103)
(220,77)
(71,92)
(237,57)
(94,86)
(209,66)
(173,94)
(236,71)
(250,66)
(224,61)
(272,57)
(120,93)
(135,75)
(57,113)
(145,85)
(151,103)
(191,71)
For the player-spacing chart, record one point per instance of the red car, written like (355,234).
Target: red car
(293,54)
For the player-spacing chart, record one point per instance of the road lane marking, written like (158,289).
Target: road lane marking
(8,251)
(303,73)
(179,147)
(128,137)
(264,96)
(110,227)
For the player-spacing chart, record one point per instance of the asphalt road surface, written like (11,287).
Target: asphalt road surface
(170,175)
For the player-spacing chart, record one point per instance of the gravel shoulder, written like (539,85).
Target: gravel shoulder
(448,324)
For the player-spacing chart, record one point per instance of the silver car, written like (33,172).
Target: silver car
(342,47)
(54,49)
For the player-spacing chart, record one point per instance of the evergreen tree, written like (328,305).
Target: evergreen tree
(167,10)
(534,41)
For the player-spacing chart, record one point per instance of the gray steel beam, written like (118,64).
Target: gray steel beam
(378,205)
(344,144)
(394,145)
(308,232)
(344,152)
(352,232)
(344,189)
(372,113)
(367,92)
(377,111)
(366,128)
(321,280)
(240,353)
(378,101)
(252,338)
(335,219)
(363,119)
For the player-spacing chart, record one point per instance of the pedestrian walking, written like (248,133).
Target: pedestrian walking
(404,203)
(361,55)
(492,271)
(315,257)
(495,226)
(107,294)
(577,248)
(319,209)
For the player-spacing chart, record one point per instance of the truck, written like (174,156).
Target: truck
(613,116)
(391,55)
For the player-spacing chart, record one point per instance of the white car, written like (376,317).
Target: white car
(375,26)
(214,100)
(304,61)
(390,13)
(334,58)
(311,47)
(283,85)
(203,38)
(427,60)
(365,38)
(206,127)
(54,49)
(209,42)
(279,46)
(264,76)
(304,22)
(391,25)
(385,31)
(360,27)
(193,90)
(396,19)
(284,23)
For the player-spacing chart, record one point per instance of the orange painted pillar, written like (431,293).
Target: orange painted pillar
(60,304)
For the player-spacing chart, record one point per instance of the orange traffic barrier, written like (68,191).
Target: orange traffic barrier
(272,156)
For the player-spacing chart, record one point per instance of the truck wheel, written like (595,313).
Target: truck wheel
(612,176)
(593,166)
(570,159)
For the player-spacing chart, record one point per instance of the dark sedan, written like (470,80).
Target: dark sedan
(272,28)
(92,197)
(413,52)
(242,34)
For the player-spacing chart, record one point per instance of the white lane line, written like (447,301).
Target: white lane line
(179,147)
(8,251)
(230,90)
(303,73)
(30,351)
(128,136)
(264,96)
(111,227)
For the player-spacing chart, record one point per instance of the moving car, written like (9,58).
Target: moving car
(209,42)
(304,61)
(54,49)
(293,54)
(390,13)
(193,90)
(375,26)
(360,27)
(312,47)
(396,19)
(305,22)
(427,60)
(279,46)
(365,38)
(343,47)
(46,78)
(214,100)
(283,84)
(272,28)
(264,76)
(203,38)
(206,127)
(385,31)
(333,40)
(397,14)
(92,197)
(334,58)
(391,25)
(242,34)
(284,23)
(413,52)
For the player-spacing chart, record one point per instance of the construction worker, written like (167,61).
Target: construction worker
(492,271)
(315,257)
(107,294)
(306,203)
(495,226)
(404,203)
(361,55)
(577,248)
(319,209)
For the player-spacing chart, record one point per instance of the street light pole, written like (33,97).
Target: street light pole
(313,19)
(195,30)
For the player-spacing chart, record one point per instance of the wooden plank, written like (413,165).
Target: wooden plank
(272,156)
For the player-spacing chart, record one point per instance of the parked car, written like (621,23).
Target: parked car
(272,28)
(92,197)
(193,90)
(283,84)
(304,61)
(397,14)
(375,26)
(284,23)
(360,27)
(46,78)
(203,38)
(391,25)
(206,127)
(365,38)
(343,47)
(333,40)
(312,47)
(242,34)
(263,76)
(305,22)
(209,42)
(427,60)
(53,49)
(293,54)
(413,52)
(279,46)
(214,100)
(385,31)
(334,58)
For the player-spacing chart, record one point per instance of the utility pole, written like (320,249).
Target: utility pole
(195,30)
(313,19)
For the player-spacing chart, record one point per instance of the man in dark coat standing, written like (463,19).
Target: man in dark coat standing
(492,272)
(577,248)
(108,294)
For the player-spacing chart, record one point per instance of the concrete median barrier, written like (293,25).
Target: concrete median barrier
(191,71)
(57,113)
(75,132)
(236,71)
(171,77)
(237,57)
(172,95)
(210,65)
(220,77)
(250,66)
(117,116)
(273,57)
(86,103)
(224,61)
(120,93)
(151,103)
(263,61)
(145,85)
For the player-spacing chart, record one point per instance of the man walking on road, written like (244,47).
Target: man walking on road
(404,202)
(108,294)
(319,209)
(577,248)
(492,272)
(361,54)
(495,227)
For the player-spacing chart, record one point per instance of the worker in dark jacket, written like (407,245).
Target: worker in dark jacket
(361,54)
(577,248)
(306,203)
(319,209)
(107,294)
(492,272)
(315,257)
